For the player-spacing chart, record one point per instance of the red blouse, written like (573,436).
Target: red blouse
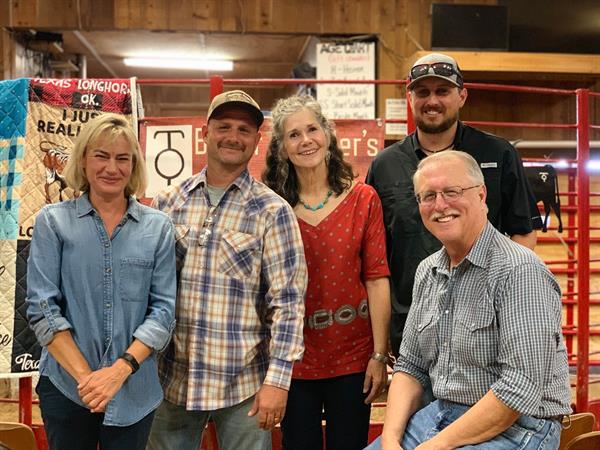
(346,248)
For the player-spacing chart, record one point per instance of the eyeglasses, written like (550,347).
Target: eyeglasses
(441,68)
(450,194)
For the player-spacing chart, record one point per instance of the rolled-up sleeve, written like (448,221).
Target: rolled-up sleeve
(529,320)
(285,273)
(410,359)
(519,212)
(155,331)
(43,281)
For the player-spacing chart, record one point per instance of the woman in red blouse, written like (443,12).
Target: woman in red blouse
(348,301)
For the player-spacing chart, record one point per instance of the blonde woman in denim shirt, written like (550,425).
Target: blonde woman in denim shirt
(101,296)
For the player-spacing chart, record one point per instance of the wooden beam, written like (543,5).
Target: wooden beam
(2,55)
(7,55)
(4,12)
(99,15)
(551,63)
(341,17)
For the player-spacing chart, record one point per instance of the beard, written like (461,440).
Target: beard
(436,128)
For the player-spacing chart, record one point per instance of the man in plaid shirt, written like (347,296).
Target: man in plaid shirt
(484,330)
(240,304)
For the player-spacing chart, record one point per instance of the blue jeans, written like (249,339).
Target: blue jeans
(176,428)
(527,433)
(73,427)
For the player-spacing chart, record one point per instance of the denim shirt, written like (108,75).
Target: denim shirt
(106,291)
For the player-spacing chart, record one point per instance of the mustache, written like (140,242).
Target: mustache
(232,145)
(437,215)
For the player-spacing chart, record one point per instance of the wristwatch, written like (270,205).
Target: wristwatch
(130,359)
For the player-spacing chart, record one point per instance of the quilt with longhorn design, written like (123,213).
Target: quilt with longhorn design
(39,120)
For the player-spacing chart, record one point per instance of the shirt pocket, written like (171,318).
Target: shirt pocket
(238,254)
(427,331)
(136,275)
(477,329)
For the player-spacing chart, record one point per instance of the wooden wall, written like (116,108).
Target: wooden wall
(248,16)
(3,57)
(8,58)
(402,26)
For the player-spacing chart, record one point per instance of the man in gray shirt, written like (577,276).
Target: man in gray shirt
(484,330)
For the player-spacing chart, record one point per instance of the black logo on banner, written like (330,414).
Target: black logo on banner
(169,149)
(87,100)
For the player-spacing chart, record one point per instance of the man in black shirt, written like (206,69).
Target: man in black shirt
(436,94)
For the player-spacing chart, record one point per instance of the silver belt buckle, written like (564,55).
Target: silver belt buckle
(363,309)
(345,314)
(320,319)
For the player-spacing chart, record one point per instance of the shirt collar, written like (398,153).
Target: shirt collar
(134,209)
(460,128)
(84,207)
(477,256)
(414,140)
(478,253)
(243,183)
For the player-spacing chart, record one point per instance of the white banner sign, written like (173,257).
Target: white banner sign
(348,61)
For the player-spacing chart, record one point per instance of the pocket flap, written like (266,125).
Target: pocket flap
(181,231)
(480,317)
(426,321)
(241,241)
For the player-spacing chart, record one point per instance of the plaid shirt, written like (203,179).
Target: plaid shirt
(492,322)
(240,301)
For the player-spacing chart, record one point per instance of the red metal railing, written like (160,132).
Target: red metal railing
(583,249)
(580,242)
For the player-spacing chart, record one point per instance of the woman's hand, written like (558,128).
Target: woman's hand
(375,379)
(100,386)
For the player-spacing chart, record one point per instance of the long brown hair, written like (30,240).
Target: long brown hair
(280,174)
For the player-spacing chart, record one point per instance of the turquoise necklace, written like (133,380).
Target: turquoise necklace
(320,205)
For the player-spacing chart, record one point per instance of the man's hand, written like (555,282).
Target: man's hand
(269,404)
(100,386)
(375,379)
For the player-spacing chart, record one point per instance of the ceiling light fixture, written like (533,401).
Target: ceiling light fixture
(188,64)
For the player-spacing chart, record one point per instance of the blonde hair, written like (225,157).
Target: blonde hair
(106,128)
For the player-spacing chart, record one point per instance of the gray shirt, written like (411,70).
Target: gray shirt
(492,322)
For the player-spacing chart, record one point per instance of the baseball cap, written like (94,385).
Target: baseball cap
(435,65)
(236,98)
